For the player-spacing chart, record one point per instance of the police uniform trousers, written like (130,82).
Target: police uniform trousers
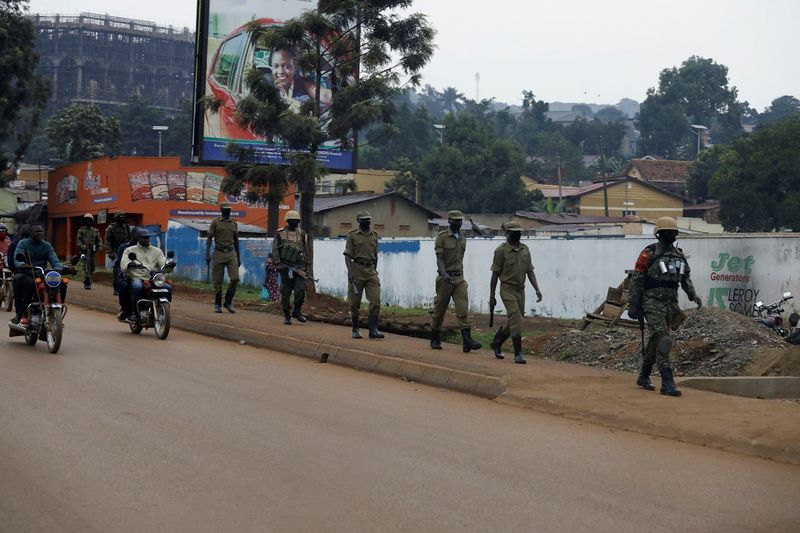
(365,280)
(444,292)
(221,261)
(292,283)
(514,301)
(661,315)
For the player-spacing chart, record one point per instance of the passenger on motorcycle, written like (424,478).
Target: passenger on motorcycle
(794,336)
(5,240)
(121,280)
(37,252)
(150,258)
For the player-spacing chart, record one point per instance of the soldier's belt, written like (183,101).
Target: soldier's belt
(223,249)
(650,283)
(362,262)
(456,272)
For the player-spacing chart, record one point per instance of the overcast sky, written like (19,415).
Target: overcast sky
(570,50)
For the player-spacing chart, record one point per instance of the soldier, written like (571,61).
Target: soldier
(450,247)
(361,259)
(225,233)
(89,243)
(117,233)
(661,267)
(289,254)
(512,263)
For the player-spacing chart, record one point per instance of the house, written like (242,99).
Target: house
(708,211)
(393,215)
(364,180)
(663,173)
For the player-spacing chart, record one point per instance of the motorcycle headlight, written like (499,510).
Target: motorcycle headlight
(52,279)
(159,280)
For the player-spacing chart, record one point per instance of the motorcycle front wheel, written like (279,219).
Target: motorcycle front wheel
(8,295)
(55,328)
(161,320)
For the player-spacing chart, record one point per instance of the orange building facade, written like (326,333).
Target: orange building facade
(151,190)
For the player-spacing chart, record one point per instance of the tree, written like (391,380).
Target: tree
(702,171)
(23,93)
(583,109)
(610,114)
(758,181)
(80,132)
(553,149)
(136,119)
(532,121)
(451,100)
(410,135)
(365,47)
(782,107)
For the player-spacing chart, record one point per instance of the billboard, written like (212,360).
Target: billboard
(227,50)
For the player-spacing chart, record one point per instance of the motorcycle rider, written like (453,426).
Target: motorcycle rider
(794,336)
(117,233)
(5,240)
(37,252)
(150,257)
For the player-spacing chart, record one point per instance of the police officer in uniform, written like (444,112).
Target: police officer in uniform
(653,293)
(289,252)
(89,243)
(225,233)
(512,264)
(451,244)
(361,259)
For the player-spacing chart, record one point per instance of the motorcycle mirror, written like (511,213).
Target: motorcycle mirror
(132,256)
(74,261)
(170,254)
(787,295)
(759,304)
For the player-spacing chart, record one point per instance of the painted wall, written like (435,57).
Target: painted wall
(631,196)
(389,213)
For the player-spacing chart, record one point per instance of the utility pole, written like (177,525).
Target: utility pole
(603,171)
(558,173)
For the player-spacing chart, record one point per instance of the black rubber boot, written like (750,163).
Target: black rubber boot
(643,380)
(287,319)
(436,339)
(298,315)
(356,334)
(668,387)
(518,357)
(469,342)
(372,322)
(497,343)
(218,302)
(229,300)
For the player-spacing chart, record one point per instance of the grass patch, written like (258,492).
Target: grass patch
(484,337)
(567,354)
(401,311)
(243,292)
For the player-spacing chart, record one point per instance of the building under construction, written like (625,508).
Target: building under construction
(105,60)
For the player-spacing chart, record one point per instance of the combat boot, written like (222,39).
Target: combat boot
(643,380)
(518,357)
(218,302)
(468,343)
(298,315)
(436,339)
(229,301)
(356,334)
(497,343)
(287,319)
(372,323)
(668,387)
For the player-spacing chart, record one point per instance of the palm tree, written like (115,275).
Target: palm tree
(452,100)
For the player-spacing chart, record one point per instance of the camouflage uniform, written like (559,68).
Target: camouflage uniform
(116,234)
(282,251)
(89,243)
(654,289)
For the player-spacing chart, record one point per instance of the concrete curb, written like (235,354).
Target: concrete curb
(748,386)
(438,376)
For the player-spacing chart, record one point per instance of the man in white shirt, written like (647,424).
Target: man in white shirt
(147,258)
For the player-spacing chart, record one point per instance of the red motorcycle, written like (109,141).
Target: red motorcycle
(770,315)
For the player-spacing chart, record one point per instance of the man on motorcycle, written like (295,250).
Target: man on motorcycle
(121,280)
(5,240)
(37,252)
(148,258)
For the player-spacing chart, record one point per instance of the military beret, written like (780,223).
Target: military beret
(455,215)
(225,205)
(363,214)
(513,226)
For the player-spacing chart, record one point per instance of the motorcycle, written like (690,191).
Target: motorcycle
(46,312)
(153,306)
(770,315)
(6,291)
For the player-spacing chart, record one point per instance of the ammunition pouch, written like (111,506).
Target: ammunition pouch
(650,283)
(291,254)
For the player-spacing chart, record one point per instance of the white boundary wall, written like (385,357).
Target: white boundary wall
(574,274)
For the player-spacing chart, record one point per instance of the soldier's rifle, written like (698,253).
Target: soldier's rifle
(491,315)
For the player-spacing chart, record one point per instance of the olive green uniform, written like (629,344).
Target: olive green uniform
(89,243)
(451,248)
(289,249)
(224,232)
(362,251)
(512,265)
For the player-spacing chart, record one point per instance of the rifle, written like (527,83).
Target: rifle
(491,316)
(208,271)
(641,328)
(303,274)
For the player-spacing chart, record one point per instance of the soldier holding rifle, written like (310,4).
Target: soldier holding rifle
(289,254)
(89,243)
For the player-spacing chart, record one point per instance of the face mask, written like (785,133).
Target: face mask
(144,243)
(668,237)
(364,224)
(455,226)
(3,235)
(514,237)
(293,224)
(87,222)
(122,220)
(226,214)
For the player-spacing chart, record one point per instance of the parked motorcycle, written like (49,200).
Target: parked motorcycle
(46,312)
(770,315)
(6,291)
(153,306)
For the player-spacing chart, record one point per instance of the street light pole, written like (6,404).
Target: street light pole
(160,130)
(700,129)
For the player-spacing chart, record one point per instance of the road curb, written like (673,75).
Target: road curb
(438,376)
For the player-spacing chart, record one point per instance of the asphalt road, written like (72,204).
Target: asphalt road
(124,433)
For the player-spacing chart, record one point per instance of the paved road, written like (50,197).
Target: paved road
(124,433)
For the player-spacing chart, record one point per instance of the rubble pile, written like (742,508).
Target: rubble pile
(711,342)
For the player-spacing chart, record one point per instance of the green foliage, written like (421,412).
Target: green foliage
(782,107)
(23,93)
(702,171)
(610,114)
(80,132)
(758,180)
(595,137)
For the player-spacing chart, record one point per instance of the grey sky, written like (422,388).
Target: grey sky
(570,50)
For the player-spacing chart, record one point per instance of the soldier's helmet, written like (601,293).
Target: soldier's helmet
(89,216)
(665,223)
(292,215)
(455,215)
(363,215)
(224,205)
(513,226)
